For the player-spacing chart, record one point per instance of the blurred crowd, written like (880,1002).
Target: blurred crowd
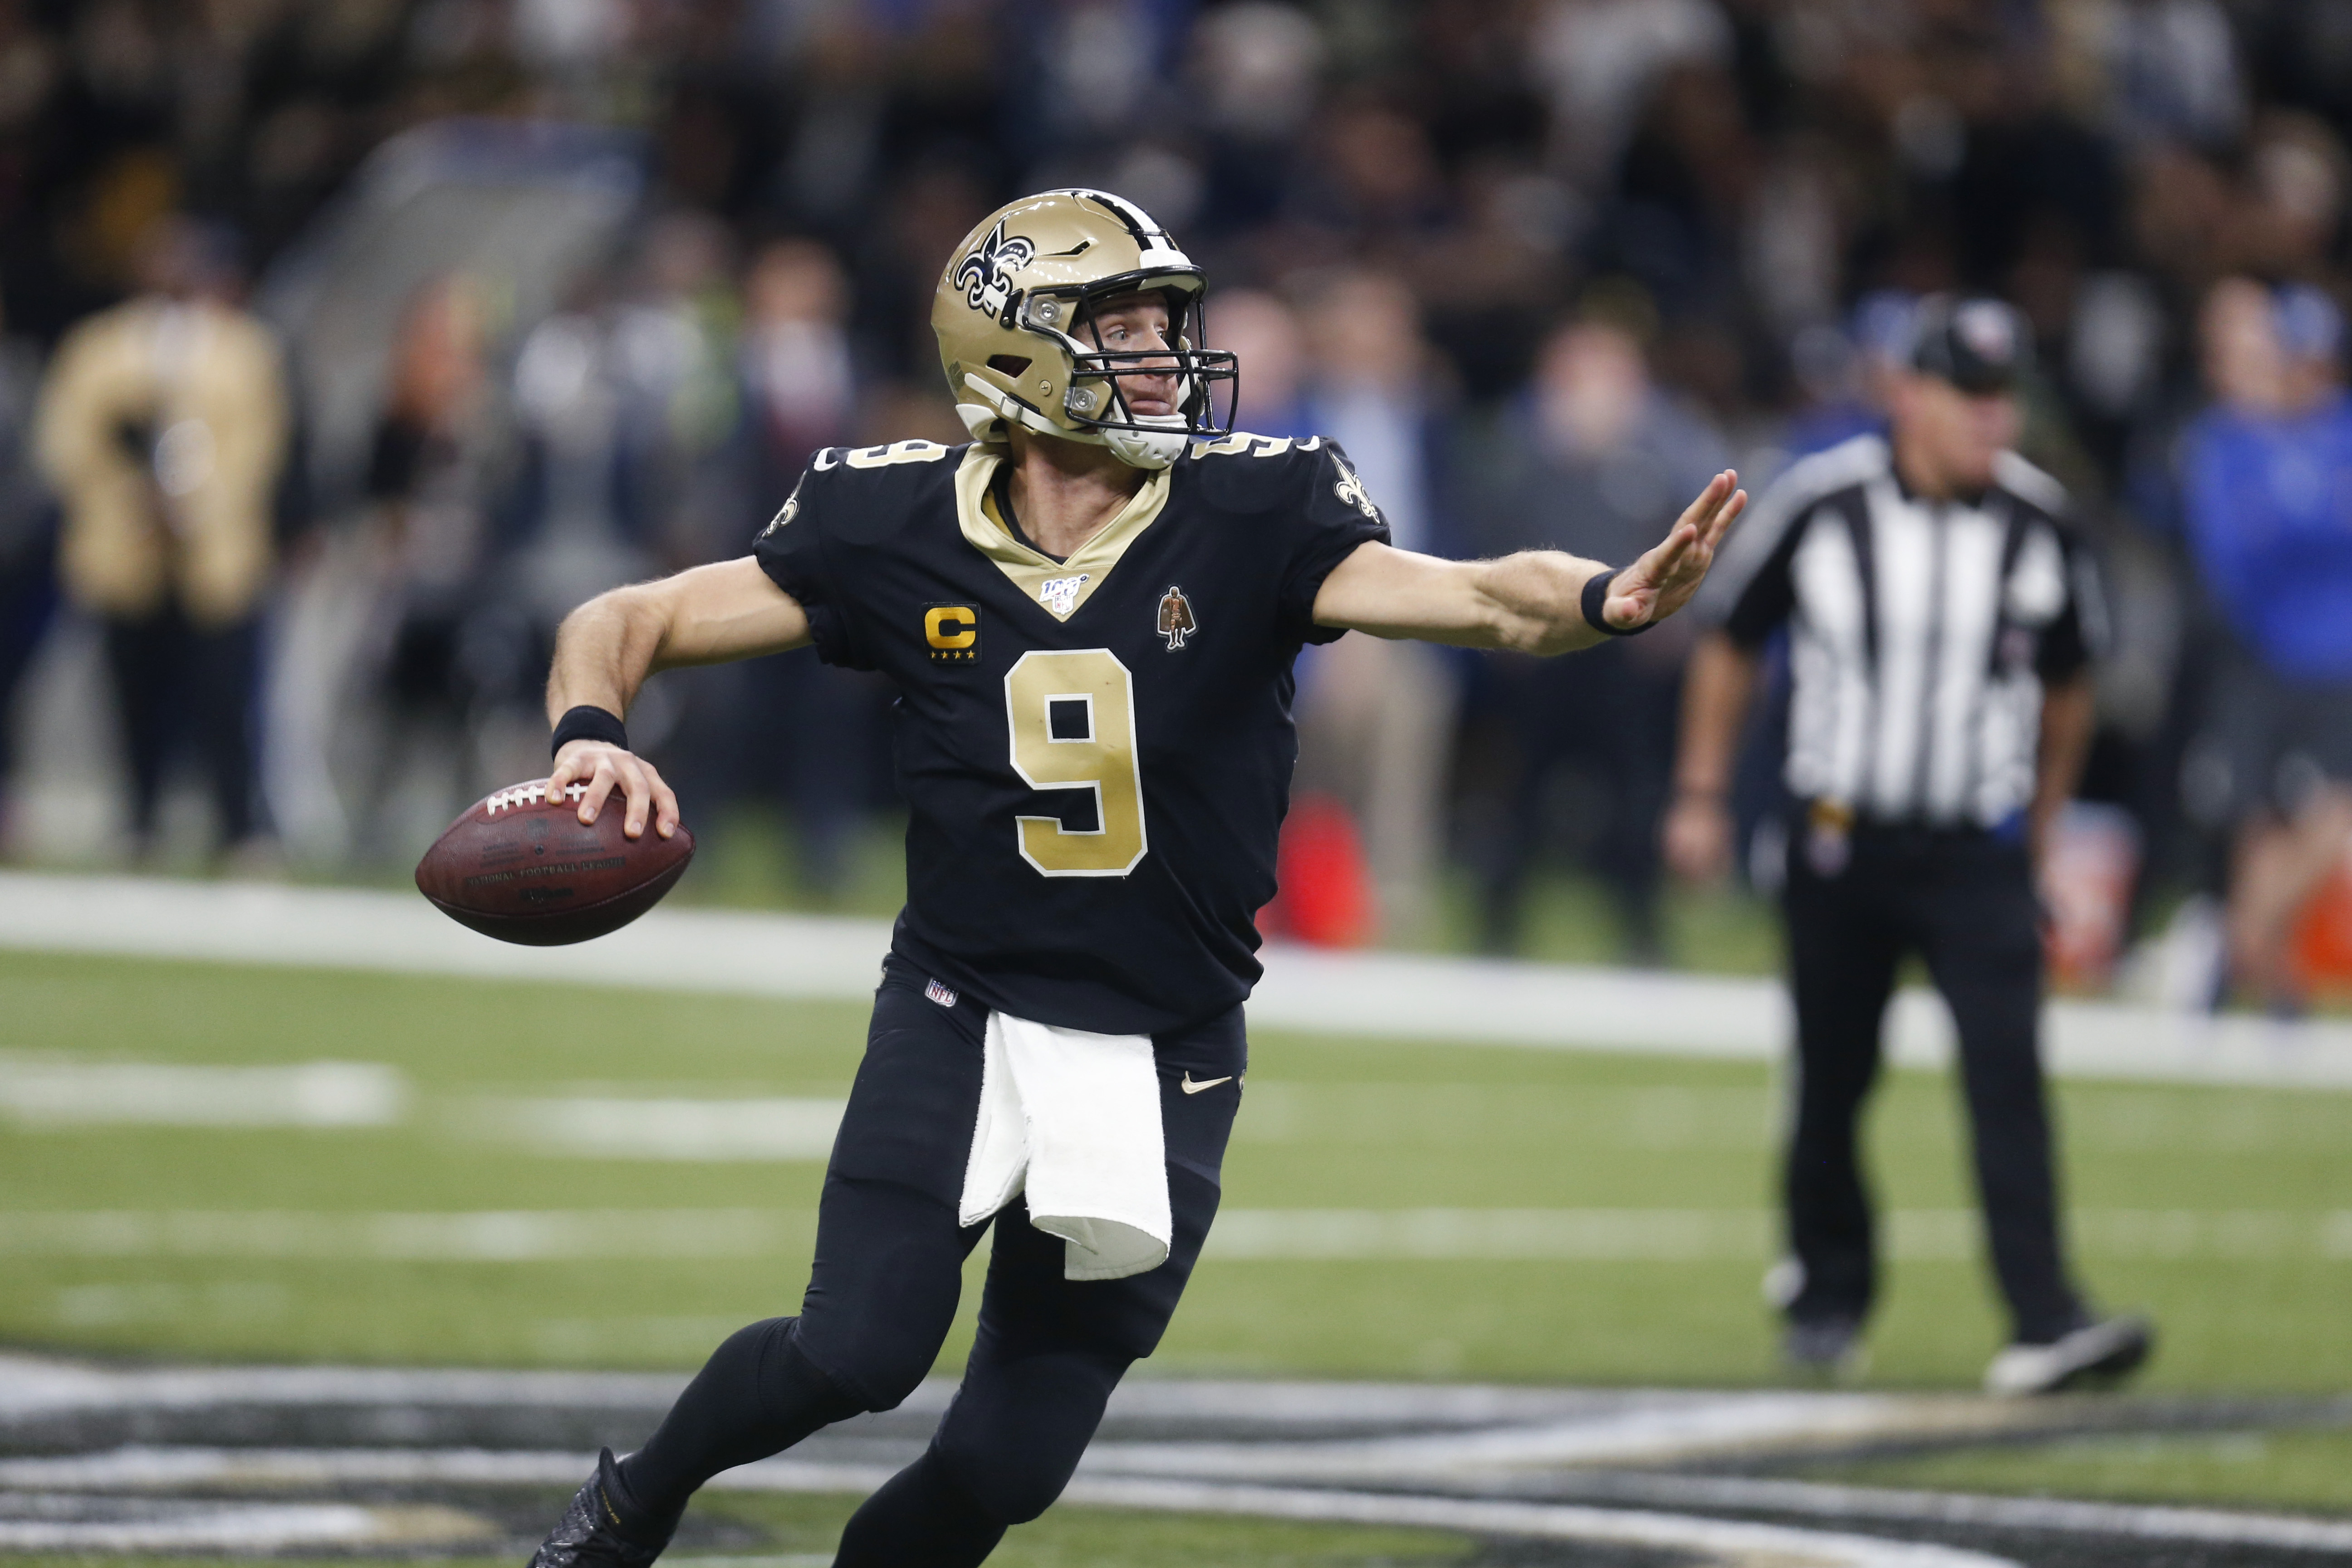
(1541,265)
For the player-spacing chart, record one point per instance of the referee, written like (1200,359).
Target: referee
(1942,622)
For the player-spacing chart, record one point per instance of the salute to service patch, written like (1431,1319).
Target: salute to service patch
(951,632)
(1176,621)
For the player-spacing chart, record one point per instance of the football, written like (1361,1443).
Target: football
(522,868)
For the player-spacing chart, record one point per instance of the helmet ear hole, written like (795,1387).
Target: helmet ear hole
(1008,364)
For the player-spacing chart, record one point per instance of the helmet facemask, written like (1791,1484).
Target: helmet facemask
(1102,398)
(1100,402)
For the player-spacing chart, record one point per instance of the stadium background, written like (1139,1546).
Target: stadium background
(586,279)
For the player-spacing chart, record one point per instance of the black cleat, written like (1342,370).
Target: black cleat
(1823,1350)
(590,1534)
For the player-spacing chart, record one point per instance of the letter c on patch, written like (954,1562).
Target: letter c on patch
(950,625)
(953,633)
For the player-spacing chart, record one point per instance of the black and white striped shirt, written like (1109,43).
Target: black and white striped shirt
(1921,633)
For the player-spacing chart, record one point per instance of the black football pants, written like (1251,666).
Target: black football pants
(1965,902)
(882,1295)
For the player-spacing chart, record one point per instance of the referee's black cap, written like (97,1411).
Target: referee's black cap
(1979,345)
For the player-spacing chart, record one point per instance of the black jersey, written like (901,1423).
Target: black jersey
(1095,753)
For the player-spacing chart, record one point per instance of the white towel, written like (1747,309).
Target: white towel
(1074,1117)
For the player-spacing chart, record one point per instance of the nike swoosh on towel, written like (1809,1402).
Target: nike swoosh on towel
(1192,1087)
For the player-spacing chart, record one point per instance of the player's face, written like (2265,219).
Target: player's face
(1138,324)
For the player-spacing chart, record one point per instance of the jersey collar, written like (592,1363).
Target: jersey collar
(1044,581)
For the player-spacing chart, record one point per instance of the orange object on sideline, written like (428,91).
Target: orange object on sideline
(2321,943)
(2088,869)
(1327,888)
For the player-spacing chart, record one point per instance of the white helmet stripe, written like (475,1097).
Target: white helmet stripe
(1159,250)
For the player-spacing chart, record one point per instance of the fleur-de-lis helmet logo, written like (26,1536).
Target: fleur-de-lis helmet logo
(982,273)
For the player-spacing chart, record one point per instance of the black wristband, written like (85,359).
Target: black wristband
(1596,592)
(588,723)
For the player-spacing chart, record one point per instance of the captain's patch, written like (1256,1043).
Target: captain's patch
(951,633)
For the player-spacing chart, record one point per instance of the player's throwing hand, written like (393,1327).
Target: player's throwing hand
(603,767)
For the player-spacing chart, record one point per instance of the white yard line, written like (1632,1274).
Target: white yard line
(38,1386)
(46,1091)
(151,1469)
(1687,1235)
(239,1528)
(1390,996)
(1240,1236)
(495,1236)
(226,1526)
(660,1128)
(367,928)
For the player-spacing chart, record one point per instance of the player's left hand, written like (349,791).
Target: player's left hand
(1670,571)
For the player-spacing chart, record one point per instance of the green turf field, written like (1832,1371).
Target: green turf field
(2224,1211)
(2227,1212)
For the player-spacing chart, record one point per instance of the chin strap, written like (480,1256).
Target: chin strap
(1149,449)
(1152,449)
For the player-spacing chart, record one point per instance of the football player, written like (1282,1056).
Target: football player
(1090,614)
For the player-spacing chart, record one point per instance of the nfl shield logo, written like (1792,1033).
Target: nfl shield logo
(1060,594)
(939,994)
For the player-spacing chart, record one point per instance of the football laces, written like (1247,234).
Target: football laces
(516,796)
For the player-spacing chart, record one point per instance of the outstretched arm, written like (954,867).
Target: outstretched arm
(1531,601)
(607,648)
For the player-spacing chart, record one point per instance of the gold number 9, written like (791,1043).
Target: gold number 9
(1098,754)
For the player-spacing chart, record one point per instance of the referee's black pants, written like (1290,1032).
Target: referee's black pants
(1964,901)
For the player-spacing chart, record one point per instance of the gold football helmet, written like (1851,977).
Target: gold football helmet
(1014,313)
